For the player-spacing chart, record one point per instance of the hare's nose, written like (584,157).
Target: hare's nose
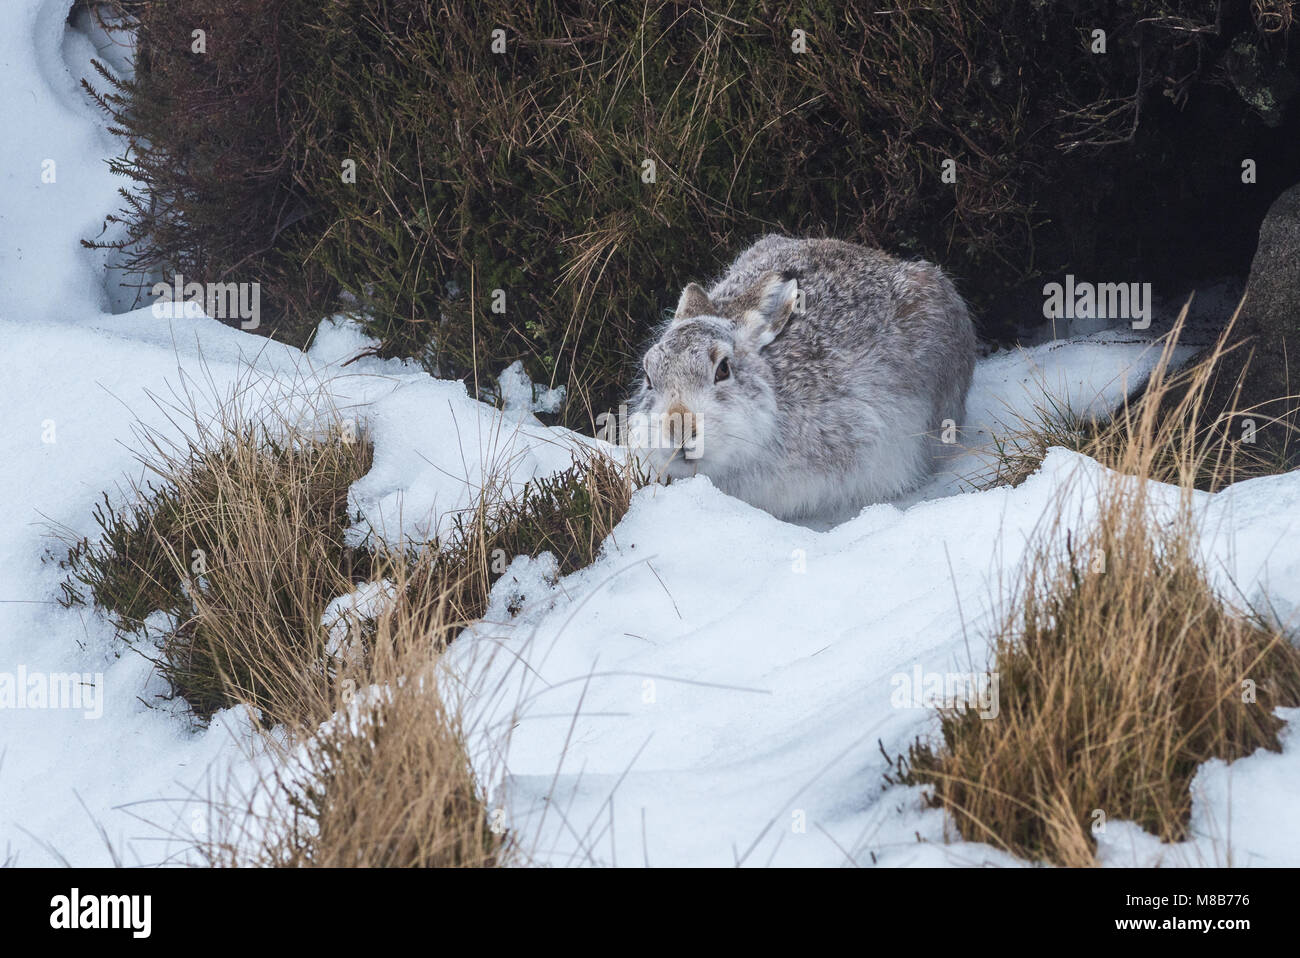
(681,424)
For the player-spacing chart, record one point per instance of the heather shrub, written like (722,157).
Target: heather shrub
(484,182)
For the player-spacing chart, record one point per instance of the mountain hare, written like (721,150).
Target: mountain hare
(814,378)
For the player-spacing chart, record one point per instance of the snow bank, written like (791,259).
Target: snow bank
(731,711)
(75,394)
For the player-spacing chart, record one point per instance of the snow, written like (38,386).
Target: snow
(350,610)
(520,397)
(710,691)
(729,703)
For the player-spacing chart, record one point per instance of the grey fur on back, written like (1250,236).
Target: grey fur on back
(823,411)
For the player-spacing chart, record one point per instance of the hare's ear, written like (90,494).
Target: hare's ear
(776,299)
(694,302)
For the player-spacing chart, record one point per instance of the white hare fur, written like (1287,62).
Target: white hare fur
(814,378)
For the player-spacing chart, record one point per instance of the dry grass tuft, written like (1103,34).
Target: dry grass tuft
(223,574)
(241,547)
(569,515)
(385,781)
(1119,667)
(1168,432)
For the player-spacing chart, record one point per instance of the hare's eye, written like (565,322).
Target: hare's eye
(723,371)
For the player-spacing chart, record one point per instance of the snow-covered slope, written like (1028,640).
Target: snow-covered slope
(710,691)
(734,675)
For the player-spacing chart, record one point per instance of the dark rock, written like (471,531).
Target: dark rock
(1256,376)
(1272,309)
